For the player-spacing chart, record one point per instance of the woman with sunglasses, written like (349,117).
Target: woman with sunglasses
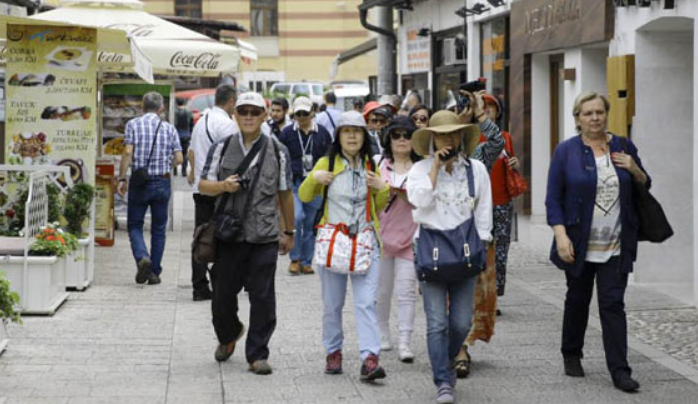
(419,115)
(354,193)
(397,230)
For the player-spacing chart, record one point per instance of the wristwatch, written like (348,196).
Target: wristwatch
(290,232)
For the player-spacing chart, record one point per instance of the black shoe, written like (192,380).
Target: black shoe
(203,294)
(499,312)
(573,366)
(626,383)
(154,280)
(145,268)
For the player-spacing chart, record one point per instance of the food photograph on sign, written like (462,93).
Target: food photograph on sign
(32,80)
(69,58)
(66,113)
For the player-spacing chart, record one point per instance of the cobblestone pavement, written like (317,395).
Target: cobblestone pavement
(119,342)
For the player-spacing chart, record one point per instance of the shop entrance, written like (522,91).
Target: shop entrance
(557,100)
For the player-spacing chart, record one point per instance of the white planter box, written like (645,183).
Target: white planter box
(42,288)
(77,273)
(4,338)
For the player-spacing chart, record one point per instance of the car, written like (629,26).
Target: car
(347,95)
(197,101)
(291,89)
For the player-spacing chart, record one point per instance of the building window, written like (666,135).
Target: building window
(264,17)
(188,8)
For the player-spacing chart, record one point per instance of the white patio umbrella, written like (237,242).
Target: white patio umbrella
(172,49)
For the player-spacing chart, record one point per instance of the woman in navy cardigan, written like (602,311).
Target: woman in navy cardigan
(590,207)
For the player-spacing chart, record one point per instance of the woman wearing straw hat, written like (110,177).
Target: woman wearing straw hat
(345,177)
(440,189)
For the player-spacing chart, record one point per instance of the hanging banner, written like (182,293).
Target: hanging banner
(51,82)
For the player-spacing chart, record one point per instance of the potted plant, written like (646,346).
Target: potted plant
(39,279)
(8,299)
(76,210)
(76,276)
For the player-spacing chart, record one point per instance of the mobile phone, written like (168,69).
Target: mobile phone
(451,154)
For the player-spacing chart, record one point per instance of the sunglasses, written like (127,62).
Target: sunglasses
(249,111)
(420,118)
(398,135)
(302,113)
(379,121)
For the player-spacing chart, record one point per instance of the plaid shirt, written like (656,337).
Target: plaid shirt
(139,133)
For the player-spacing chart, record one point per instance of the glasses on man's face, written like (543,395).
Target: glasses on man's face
(249,111)
(398,135)
(302,114)
(375,121)
(420,118)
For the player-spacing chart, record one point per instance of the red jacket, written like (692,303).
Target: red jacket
(498,173)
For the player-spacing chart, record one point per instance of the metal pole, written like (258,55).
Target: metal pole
(387,65)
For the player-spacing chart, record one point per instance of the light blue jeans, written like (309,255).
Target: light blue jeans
(447,326)
(334,290)
(304,217)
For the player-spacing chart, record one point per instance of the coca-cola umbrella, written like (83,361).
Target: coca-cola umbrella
(172,49)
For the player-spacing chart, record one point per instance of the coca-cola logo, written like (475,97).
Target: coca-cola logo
(202,61)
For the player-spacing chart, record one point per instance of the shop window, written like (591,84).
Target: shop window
(188,8)
(264,17)
(494,59)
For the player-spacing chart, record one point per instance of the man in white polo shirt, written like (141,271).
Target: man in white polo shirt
(215,125)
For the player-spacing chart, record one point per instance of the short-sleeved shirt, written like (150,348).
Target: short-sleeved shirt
(604,239)
(220,126)
(140,132)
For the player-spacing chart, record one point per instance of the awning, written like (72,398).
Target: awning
(173,50)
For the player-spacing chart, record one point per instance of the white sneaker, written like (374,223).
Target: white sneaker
(385,343)
(405,354)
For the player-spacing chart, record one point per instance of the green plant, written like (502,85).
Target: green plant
(50,242)
(71,241)
(7,301)
(54,207)
(77,207)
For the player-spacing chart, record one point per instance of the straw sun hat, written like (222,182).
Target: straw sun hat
(445,122)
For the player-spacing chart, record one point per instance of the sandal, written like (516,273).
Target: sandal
(462,363)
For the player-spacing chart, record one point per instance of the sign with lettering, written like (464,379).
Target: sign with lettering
(542,25)
(415,52)
(51,82)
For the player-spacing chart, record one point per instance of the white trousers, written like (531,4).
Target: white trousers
(396,274)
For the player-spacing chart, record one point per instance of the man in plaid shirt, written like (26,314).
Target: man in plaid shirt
(166,152)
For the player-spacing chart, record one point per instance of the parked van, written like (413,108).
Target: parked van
(291,89)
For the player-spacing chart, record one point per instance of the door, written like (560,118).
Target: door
(557,100)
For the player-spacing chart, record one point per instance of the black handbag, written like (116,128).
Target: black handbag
(447,256)
(653,224)
(140,176)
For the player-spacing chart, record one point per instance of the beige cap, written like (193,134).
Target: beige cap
(250,98)
(302,104)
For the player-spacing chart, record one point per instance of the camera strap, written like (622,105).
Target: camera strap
(242,168)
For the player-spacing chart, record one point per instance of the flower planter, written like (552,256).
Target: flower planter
(41,288)
(77,273)
(4,338)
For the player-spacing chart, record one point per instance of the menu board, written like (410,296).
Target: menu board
(51,83)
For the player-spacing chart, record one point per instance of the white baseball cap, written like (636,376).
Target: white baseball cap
(251,98)
(302,104)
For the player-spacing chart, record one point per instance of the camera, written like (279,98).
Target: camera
(244,183)
(472,87)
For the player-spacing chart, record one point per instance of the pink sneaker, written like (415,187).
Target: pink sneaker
(334,363)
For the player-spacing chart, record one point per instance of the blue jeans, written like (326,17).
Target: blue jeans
(447,326)
(334,290)
(304,216)
(156,195)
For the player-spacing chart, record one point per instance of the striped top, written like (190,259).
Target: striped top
(140,132)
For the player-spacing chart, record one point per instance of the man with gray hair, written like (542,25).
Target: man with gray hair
(152,146)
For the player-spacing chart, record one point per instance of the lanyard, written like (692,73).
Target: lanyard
(307,145)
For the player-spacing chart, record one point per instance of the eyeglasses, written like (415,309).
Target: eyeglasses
(420,118)
(249,111)
(302,113)
(378,121)
(398,135)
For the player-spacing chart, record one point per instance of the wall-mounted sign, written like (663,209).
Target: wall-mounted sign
(415,51)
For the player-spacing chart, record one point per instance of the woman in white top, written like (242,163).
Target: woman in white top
(438,187)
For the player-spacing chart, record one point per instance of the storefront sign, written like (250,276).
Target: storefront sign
(51,83)
(550,16)
(415,53)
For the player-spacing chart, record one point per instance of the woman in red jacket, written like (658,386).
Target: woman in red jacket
(503,207)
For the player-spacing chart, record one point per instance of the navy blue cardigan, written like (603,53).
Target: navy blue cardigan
(321,142)
(571,195)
